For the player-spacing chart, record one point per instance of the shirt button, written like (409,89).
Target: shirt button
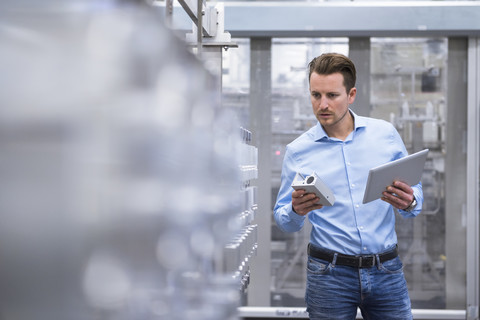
(365,248)
(357,206)
(353,185)
(361,227)
(349,164)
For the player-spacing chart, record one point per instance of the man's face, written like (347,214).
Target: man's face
(330,100)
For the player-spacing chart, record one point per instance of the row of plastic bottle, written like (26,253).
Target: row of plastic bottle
(119,175)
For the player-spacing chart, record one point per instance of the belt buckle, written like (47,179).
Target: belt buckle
(366,261)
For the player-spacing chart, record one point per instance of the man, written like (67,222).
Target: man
(353,260)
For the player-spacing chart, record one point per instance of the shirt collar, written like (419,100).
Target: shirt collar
(358,121)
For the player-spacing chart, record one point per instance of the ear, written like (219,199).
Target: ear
(351,95)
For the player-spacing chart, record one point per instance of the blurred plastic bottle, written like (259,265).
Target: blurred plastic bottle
(119,176)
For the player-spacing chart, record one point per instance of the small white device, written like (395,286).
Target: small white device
(313,184)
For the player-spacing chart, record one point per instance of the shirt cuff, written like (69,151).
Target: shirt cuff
(293,215)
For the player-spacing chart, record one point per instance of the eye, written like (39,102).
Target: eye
(332,95)
(316,95)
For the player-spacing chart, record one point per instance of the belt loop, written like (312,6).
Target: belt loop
(334,260)
(377,257)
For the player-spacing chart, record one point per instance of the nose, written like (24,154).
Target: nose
(323,103)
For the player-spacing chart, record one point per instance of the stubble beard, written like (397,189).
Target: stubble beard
(328,124)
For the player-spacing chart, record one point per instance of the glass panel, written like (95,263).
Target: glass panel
(291,115)
(408,88)
(236,79)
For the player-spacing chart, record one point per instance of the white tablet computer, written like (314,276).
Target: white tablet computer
(408,169)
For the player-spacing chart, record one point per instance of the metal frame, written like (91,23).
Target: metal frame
(260,124)
(300,313)
(331,19)
(210,40)
(255,19)
(209,24)
(456,172)
(337,19)
(470,311)
(473,180)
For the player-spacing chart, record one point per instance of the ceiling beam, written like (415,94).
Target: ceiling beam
(346,19)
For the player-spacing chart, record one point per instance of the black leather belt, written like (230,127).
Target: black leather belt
(360,261)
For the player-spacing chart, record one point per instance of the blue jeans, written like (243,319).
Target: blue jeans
(335,292)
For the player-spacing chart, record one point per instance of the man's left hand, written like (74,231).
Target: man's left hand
(399,195)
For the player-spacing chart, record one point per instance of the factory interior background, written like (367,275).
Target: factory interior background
(140,158)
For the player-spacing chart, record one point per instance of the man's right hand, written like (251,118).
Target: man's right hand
(303,203)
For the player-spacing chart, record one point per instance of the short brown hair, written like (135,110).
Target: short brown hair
(329,63)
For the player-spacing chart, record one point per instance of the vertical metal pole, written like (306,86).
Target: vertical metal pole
(213,62)
(261,126)
(169,13)
(456,174)
(473,180)
(412,80)
(359,52)
(199,26)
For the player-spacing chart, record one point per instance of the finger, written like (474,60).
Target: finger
(404,194)
(305,200)
(391,200)
(396,192)
(313,207)
(303,205)
(386,200)
(395,201)
(403,186)
(298,193)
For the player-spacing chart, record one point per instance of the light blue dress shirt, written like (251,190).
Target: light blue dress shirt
(348,226)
